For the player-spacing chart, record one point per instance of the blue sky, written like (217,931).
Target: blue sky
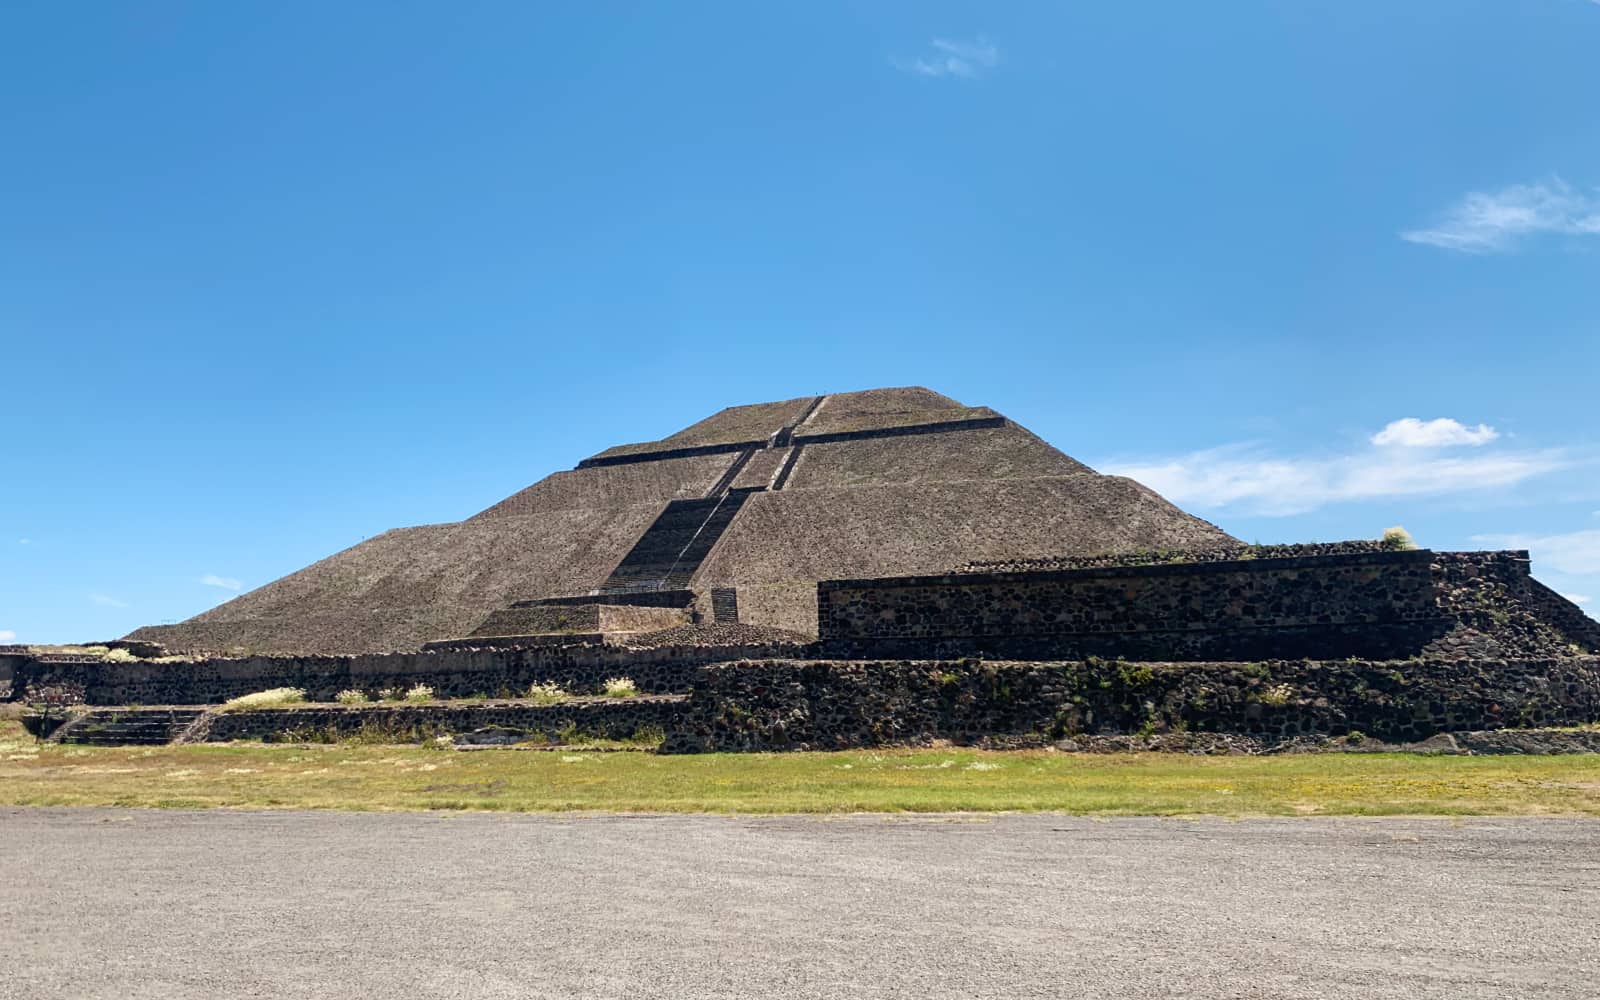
(277,277)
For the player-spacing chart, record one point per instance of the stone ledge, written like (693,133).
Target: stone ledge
(653,451)
(937,425)
(1114,571)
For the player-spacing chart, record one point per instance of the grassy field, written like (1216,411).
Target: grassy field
(377,777)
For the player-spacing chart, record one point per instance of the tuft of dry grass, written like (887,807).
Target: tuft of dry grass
(70,649)
(265,699)
(548,693)
(1398,538)
(620,687)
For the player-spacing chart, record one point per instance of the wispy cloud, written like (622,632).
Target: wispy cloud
(1406,459)
(225,582)
(6,635)
(106,601)
(1409,432)
(1579,598)
(24,541)
(946,57)
(1492,221)
(1574,552)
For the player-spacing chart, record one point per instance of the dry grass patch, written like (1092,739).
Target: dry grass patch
(344,776)
(265,699)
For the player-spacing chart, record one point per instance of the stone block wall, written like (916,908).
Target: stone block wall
(1564,615)
(452,673)
(595,718)
(1375,604)
(819,705)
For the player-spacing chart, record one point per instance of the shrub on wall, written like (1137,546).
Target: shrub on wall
(1398,538)
(548,693)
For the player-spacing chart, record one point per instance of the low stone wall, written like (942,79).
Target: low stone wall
(1378,604)
(594,718)
(452,673)
(814,705)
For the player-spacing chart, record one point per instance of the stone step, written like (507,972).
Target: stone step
(653,555)
(700,546)
(124,726)
(667,555)
(725,605)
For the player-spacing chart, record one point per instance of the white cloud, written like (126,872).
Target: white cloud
(1575,552)
(1409,432)
(1579,598)
(225,582)
(953,58)
(107,602)
(1485,222)
(1273,485)
(24,541)
(6,635)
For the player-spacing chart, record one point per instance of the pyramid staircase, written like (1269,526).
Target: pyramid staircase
(725,605)
(128,726)
(667,555)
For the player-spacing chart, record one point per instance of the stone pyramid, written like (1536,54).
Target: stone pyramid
(736,517)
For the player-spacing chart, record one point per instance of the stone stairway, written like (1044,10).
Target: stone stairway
(728,477)
(657,552)
(667,555)
(693,554)
(125,726)
(725,605)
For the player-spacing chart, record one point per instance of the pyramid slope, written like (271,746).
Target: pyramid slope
(755,422)
(986,453)
(879,482)
(607,487)
(411,585)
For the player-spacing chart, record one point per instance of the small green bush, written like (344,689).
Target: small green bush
(620,687)
(420,692)
(389,694)
(351,697)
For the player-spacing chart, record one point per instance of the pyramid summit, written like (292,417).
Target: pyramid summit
(734,518)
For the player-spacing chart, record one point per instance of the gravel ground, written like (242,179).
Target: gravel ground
(134,904)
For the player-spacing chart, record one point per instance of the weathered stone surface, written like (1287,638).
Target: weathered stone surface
(452,673)
(595,718)
(556,618)
(1351,601)
(814,705)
